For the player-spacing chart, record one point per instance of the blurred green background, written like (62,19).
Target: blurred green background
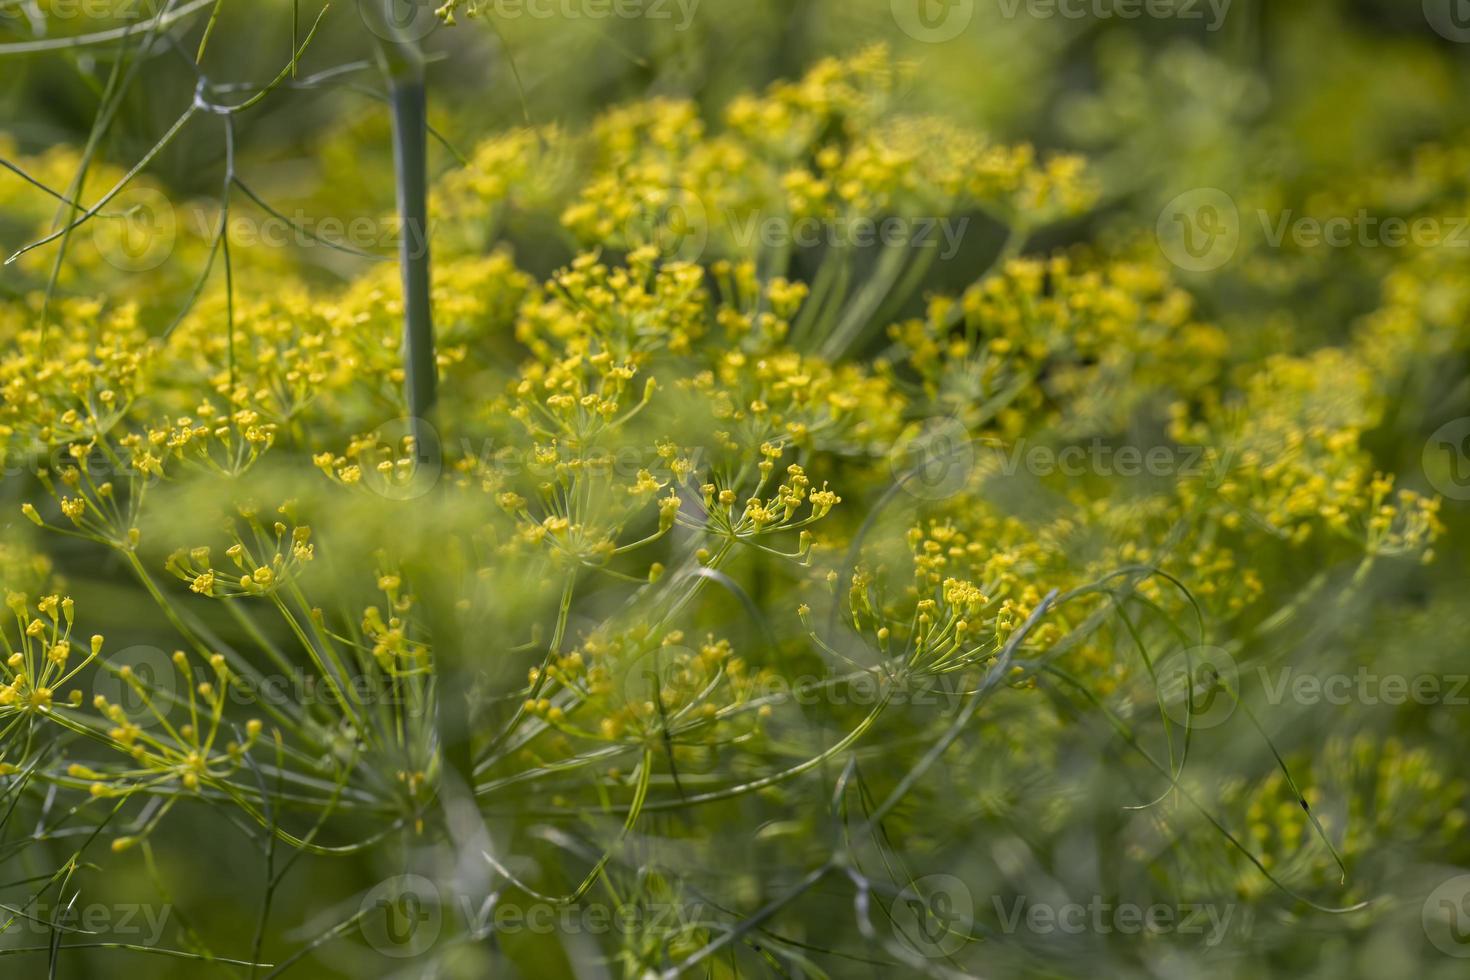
(1301,104)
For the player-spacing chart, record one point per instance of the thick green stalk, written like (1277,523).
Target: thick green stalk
(403,65)
(407,95)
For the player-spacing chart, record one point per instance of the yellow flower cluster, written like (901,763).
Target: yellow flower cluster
(1291,445)
(39,661)
(72,382)
(190,755)
(639,689)
(1093,338)
(268,560)
(681,408)
(1365,792)
(294,349)
(524,169)
(831,146)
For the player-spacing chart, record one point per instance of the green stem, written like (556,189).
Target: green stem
(410,155)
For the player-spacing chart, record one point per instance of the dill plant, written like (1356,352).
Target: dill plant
(643,583)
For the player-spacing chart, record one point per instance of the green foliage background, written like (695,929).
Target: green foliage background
(1302,107)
